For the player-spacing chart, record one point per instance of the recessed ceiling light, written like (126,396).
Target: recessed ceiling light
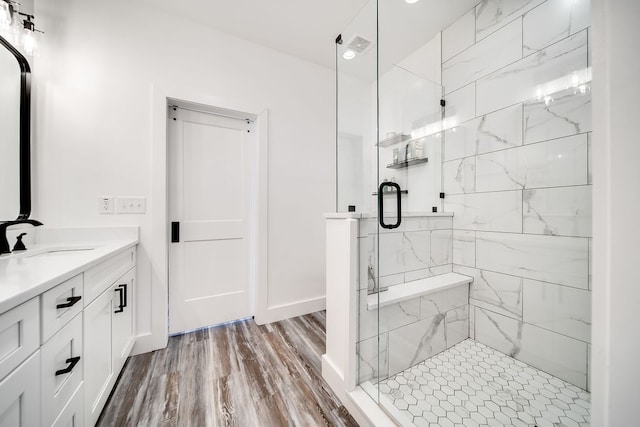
(349,54)
(411,1)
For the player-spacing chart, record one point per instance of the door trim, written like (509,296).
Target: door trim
(158,270)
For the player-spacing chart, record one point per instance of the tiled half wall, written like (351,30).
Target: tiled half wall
(414,330)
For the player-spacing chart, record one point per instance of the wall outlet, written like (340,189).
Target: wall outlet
(131,205)
(105,204)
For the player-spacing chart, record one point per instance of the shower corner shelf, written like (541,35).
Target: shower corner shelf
(407,163)
(395,139)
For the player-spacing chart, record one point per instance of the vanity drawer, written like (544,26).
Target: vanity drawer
(61,369)
(61,304)
(73,413)
(19,335)
(100,277)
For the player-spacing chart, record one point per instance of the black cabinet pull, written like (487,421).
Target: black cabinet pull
(72,364)
(120,292)
(124,286)
(381,193)
(71,301)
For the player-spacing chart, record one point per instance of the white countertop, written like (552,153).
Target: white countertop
(25,275)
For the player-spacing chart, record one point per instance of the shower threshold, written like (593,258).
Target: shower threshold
(471,384)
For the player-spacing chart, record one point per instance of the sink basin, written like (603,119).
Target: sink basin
(59,252)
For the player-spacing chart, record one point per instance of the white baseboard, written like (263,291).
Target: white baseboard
(287,311)
(148,342)
(333,377)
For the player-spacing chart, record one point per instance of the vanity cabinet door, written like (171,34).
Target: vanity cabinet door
(123,318)
(20,395)
(98,366)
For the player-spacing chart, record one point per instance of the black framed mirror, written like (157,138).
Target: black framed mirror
(15,133)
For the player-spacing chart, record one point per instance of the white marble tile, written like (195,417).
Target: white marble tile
(409,223)
(556,354)
(372,356)
(590,45)
(559,355)
(416,342)
(459,35)
(456,325)
(590,264)
(560,162)
(496,292)
(441,302)
(499,332)
(494,131)
(425,223)
(566,113)
(400,252)
(561,211)
(472,322)
(494,52)
(459,176)
(554,259)
(390,317)
(441,247)
(427,272)
(390,280)
(553,21)
(498,211)
(366,259)
(493,14)
(461,106)
(589,158)
(464,248)
(588,367)
(558,67)
(558,308)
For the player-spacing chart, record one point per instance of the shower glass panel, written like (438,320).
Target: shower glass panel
(474,118)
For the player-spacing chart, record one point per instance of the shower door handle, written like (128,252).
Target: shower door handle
(381,204)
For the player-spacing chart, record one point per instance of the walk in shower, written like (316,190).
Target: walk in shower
(463,141)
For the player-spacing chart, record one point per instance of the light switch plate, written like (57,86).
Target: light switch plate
(131,205)
(105,204)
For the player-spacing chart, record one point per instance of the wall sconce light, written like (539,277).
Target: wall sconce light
(20,32)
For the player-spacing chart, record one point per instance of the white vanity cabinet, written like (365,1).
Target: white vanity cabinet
(108,329)
(61,351)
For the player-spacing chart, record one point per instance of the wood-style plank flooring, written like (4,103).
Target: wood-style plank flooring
(239,374)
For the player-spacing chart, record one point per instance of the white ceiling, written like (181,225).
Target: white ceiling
(302,28)
(307,28)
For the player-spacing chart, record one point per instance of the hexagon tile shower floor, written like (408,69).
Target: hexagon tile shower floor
(471,384)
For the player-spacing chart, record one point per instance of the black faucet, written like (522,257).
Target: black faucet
(4,243)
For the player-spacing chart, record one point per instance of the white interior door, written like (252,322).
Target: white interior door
(210,158)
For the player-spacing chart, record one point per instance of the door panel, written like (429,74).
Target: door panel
(212,156)
(210,196)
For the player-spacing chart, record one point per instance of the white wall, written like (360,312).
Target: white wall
(616,203)
(93,118)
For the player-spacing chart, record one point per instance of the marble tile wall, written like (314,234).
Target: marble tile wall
(414,330)
(410,332)
(421,247)
(517,177)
